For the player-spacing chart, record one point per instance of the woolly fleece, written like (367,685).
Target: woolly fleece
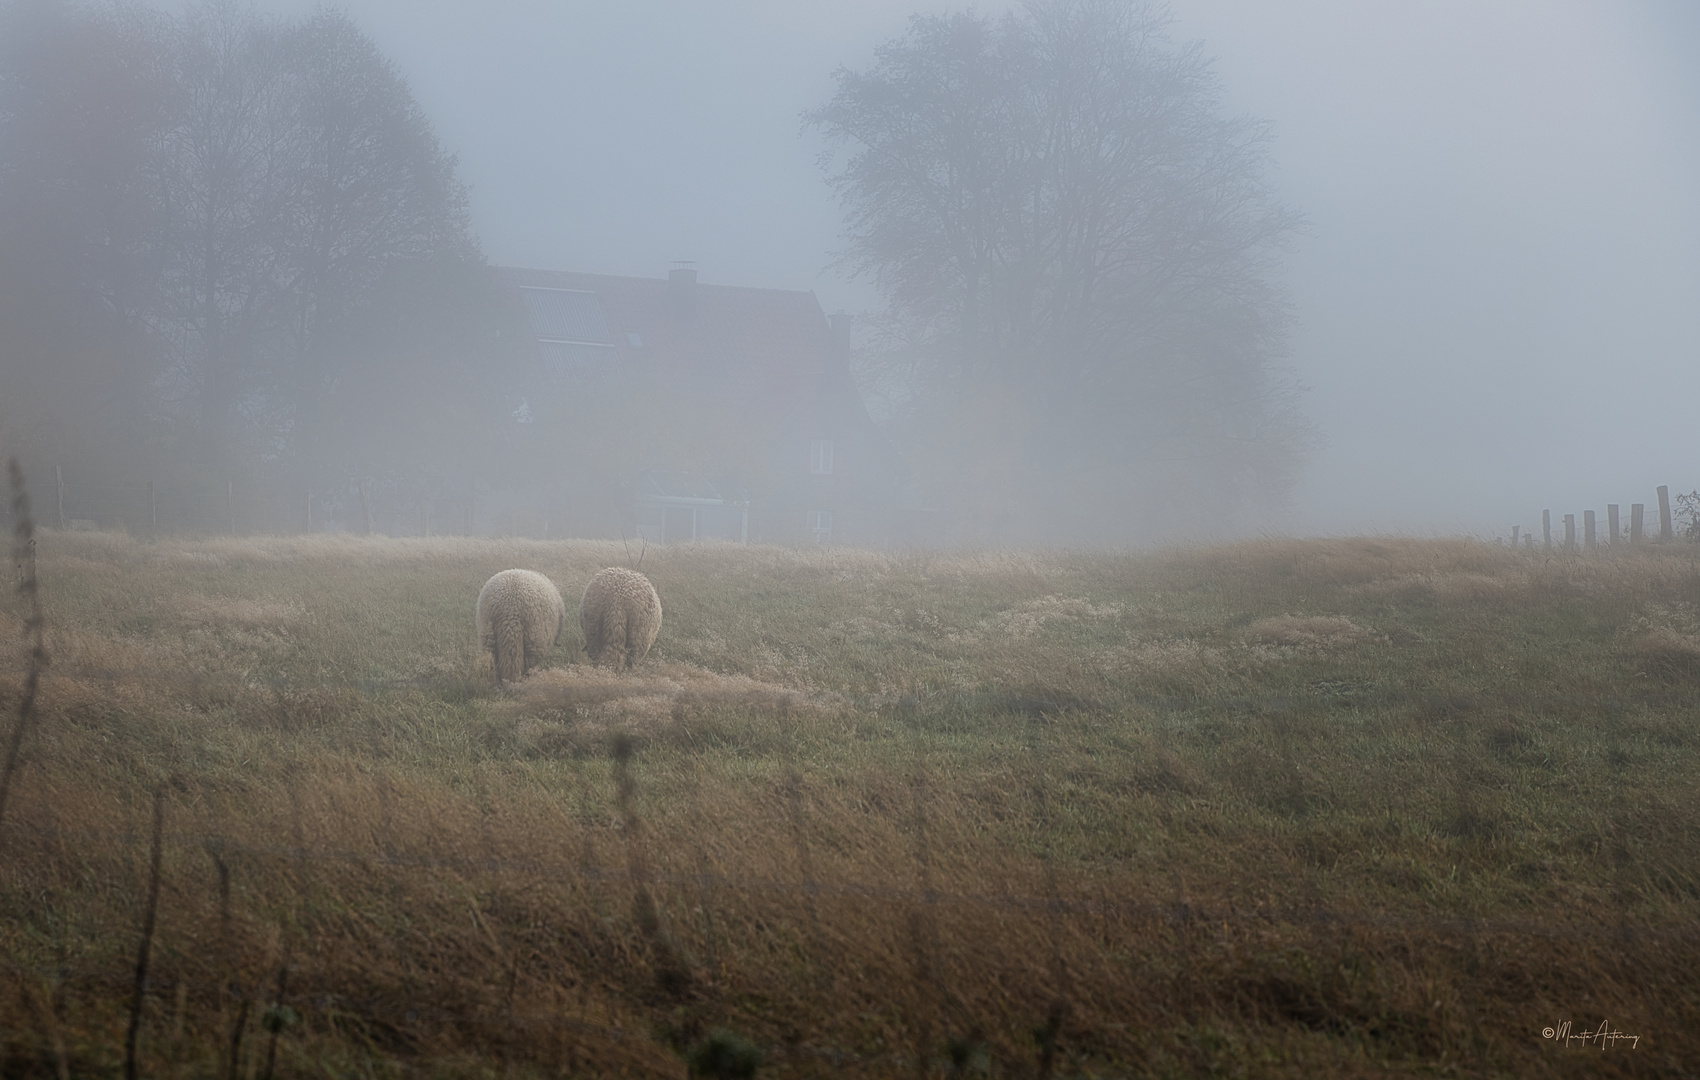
(520,617)
(621,616)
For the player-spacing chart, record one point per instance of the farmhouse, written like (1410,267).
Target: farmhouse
(674,410)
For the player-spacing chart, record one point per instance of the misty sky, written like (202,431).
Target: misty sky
(1499,295)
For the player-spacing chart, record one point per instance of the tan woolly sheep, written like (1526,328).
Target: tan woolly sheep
(621,616)
(520,617)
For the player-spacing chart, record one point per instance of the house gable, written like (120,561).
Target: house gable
(736,383)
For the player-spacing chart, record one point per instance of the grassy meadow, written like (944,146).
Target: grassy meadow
(1294,808)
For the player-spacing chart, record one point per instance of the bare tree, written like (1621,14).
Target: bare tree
(243,232)
(374,192)
(1081,248)
(232,184)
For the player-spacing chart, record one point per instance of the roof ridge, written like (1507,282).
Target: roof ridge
(648,280)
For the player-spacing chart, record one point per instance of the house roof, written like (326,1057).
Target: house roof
(766,347)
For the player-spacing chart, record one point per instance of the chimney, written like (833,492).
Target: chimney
(682,292)
(838,327)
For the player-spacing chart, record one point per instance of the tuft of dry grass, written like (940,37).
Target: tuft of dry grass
(1282,808)
(240,613)
(1666,652)
(1308,631)
(585,706)
(1032,616)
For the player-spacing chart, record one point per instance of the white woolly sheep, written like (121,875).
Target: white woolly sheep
(621,616)
(520,616)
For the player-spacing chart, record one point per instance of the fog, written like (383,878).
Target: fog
(1392,797)
(1496,296)
(1494,286)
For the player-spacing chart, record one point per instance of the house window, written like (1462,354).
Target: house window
(820,457)
(820,523)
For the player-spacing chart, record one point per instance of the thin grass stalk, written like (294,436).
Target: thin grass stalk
(794,805)
(672,977)
(278,1016)
(923,936)
(589,870)
(625,801)
(797,812)
(215,848)
(23,553)
(236,1029)
(148,919)
(1048,1033)
(705,902)
(61,1058)
(706,899)
(298,838)
(228,986)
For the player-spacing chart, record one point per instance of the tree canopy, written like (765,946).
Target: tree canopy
(232,243)
(1080,252)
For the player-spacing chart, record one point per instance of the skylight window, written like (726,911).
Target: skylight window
(572,316)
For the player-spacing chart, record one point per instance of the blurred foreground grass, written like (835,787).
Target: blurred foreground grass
(1281,808)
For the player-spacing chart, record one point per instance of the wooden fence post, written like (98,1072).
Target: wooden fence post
(1666,535)
(59,489)
(1546,529)
(1588,529)
(1514,529)
(1611,524)
(1570,532)
(1637,513)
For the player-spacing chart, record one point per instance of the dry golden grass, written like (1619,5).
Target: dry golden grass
(583,706)
(1280,808)
(1308,631)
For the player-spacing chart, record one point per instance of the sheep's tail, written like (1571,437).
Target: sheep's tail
(616,648)
(510,646)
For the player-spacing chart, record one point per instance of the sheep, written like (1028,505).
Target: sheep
(520,617)
(621,616)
